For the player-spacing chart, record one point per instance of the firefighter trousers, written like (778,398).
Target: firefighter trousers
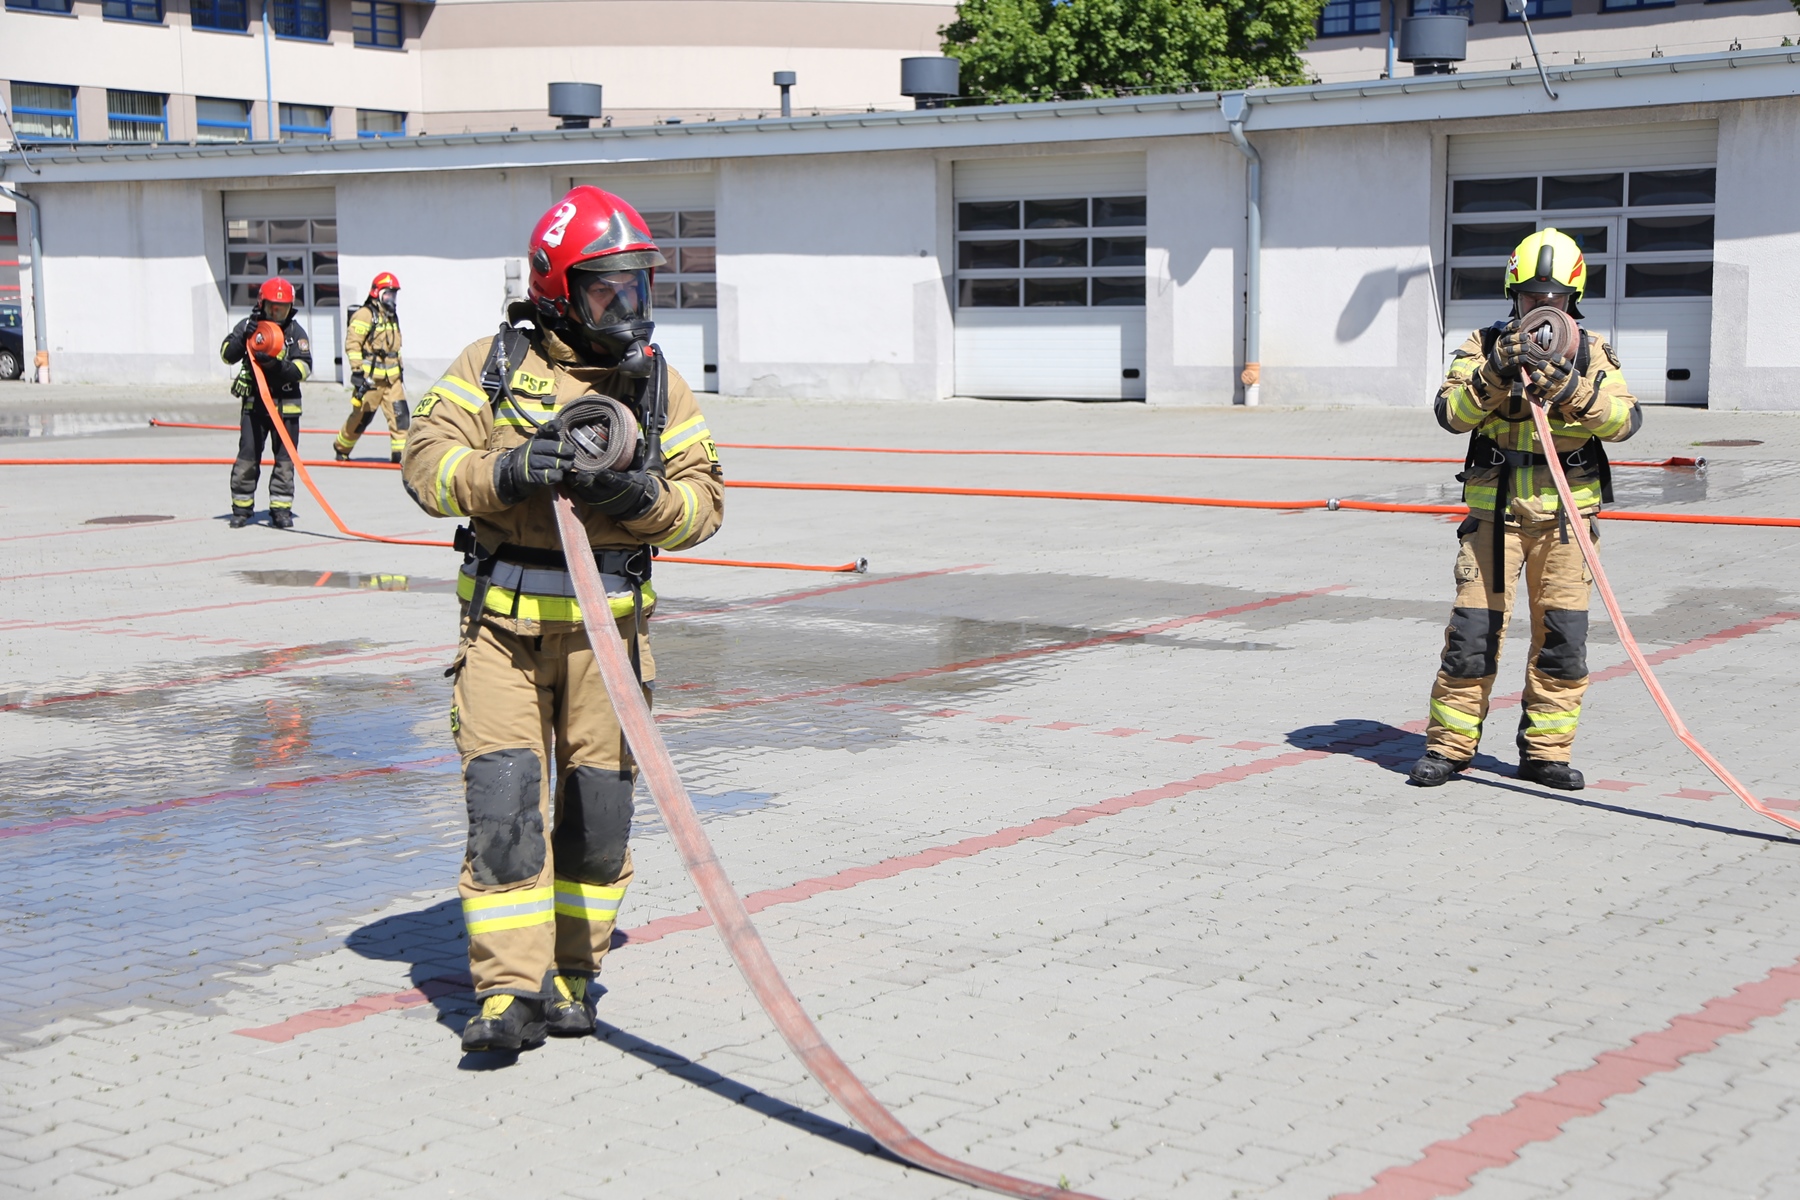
(254,430)
(1558,585)
(381,397)
(548,861)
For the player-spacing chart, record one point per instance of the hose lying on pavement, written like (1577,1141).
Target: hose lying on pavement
(1548,442)
(726,908)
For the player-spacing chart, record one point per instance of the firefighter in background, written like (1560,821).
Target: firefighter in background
(1516,522)
(284,373)
(372,347)
(547,862)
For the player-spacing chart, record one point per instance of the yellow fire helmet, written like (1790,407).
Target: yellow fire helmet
(1548,261)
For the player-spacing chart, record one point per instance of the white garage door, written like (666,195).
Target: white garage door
(289,234)
(681,211)
(1638,198)
(1050,277)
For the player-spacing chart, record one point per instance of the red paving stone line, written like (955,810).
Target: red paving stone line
(180,562)
(991,660)
(1448,1168)
(226,676)
(181,612)
(25,537)
(824,591)
(144,810)
(806,889)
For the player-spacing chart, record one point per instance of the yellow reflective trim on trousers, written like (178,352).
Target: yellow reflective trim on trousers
(1540,724)
(446,481)
(383,373)
(676,440)
(461,392)
(509,910)
(1455,719)
(532,607)
(690,516)
(589,901)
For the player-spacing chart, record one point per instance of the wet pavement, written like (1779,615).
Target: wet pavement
(1178,928)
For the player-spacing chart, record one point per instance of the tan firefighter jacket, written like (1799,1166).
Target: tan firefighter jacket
(372,343)
(458,433)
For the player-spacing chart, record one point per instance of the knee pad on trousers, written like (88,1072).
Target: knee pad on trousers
(1564,653)
(368,417)
(506,832)
(595,827)
(1472,649)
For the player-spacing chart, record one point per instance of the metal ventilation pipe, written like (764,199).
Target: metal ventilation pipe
(1233,106)
(930,81)
(575,104)
(785,80)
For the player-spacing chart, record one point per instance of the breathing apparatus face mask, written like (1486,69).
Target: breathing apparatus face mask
(388,297)
(612,311)
(278,313)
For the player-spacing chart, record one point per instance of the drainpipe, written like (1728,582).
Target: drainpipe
(1232,105)
(268,76)
(39,325)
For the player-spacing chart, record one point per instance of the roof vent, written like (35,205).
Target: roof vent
(575,104)
(1434,41)
(930,81)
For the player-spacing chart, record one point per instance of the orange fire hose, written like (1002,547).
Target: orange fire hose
(1667,462)
(726,908)
(1548,443)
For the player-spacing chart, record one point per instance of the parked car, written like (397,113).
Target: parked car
(12,342)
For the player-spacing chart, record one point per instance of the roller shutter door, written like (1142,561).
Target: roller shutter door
(682,212)
(1050,277)
(1639,199)
(291,234)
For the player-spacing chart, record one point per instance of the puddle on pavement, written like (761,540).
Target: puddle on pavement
(347,579)
(1750,482)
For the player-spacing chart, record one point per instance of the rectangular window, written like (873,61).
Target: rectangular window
(1630,5)
(43,6)
(1683,234)
(300,19)
(301,251)
(305,123)
(1082,252)
(232,16)
(136,116)
(1539,9)
(147,11)
(1673,187)
(44,112)
(1343,17)
(222,120)
(689,240)
(371,123)
(1494,195)
(376,24)
(1584,191)
(1668,279)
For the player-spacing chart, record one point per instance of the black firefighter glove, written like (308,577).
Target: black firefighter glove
(359,384)
(278,370)
(621,495)
(1567,395)
(541,462)
(1512,352)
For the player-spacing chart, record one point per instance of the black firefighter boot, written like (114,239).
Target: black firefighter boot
(505,1023)
(1434,770)
(281,518)
(567,1014)
(240,515)
(1558,775)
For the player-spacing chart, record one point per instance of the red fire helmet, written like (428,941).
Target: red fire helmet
(585,225)
(276,291)
(383,281)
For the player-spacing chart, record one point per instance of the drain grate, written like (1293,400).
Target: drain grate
(130,519)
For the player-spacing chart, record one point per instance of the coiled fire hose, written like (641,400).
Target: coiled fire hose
(721,900)
(1560,341)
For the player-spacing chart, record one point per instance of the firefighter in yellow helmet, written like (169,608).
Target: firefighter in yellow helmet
(547,775)
(1516,523)
(377,378)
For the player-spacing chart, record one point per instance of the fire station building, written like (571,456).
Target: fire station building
(1096,250)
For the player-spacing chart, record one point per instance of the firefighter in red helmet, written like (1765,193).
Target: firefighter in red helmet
(284,373)
(546,773)
(377,379)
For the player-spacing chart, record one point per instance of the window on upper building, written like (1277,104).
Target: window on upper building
(372,123)
(44,112)
(306,19)
(1343,17)
(305,123)
(148,11)
(136,116)
(1538,9)
(1632,5)
(233,16)
(43,6)
(222,120)
(377,24)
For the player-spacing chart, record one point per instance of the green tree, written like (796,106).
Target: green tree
(1021,50)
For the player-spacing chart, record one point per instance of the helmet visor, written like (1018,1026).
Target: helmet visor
(603,299)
